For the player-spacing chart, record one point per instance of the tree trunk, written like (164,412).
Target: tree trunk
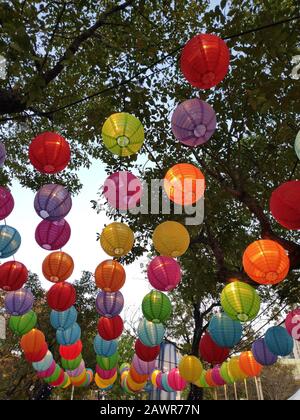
(195,394)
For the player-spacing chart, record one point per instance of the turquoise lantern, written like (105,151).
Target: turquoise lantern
(225,331)
(297,145)
(150,334)
(10,241)
(105,348)
(63,320)
(68,336)
(278,341)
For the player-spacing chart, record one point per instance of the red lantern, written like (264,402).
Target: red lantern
(110,328)
(284,205)
(72,351)
(210,352)
(13,275)
(205,61)
(38,355)
(61,296)
(49,153)
(60,379)
(145,353)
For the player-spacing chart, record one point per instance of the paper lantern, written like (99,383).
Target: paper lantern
(52,202)
(63,320)
(150,334)
(106,374)
(240,301)
(224,331)
(33,341)
(110,276)
(71,364)
(210,352)
(77,381)
(19,302)
(49,153)
(145,353)
(205,60)
(292,324)
(109,304)
(13,275)
(105,348)
(209,380)
(266,262)
(171,239)
(55,375)
(225,373)
(45,363)
(262,354)
(67,382)
(68,336)
(61,296)
(124,367)
(201,381)
(77,371)
(156,307)
(190,368)
(141,367)
(103,383)
(37,356)
(158,383)
(165,383)
(23,324)
(52,235)
(297,145)
(216,376)
(164,273)
(235,370)
(58,266)
(284,205)
(10,241)
(2,154)
(58,381)
(133,386)
(6,203)
(154,375)
(176,381)
(47,372)
(123,190)
(71,352)
(110,328)
(184,184)
(278,341)
(136,377)
(117,239)
(123,134)
(249,365)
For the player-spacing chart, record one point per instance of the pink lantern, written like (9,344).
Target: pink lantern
(6,203)
(52,235)
(176,381)
(78,371)
(164,273)
(292,324)
(106,374)
(158,381)
(123,190)
(141,367)
(216,376)
(46,373)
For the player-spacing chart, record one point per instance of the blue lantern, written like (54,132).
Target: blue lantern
(150,334)
(44,364)
(68,336)
(225,331)
(165,384)
(10,241)
(278,341)
(105,348)
(63,320)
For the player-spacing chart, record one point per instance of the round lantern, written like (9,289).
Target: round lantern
(123,134)
(13,275)
(164,273)
(68,336)
(123,190)
(165,383)
(23,324)
(38,355)
(235,370)
(278,341)
(225,373)
(117,239)
(194,122)
(110,276)
(249,365)
(138,378)
(171,239)
(205,61)
(44,364)
(224,331)
(150,334)
(19,302)
(52,235)
(47,372)
(52,202)
(77,371)
(240,301)
(33,341)
(58,266)
(210,352)
(77,381)
(108,363)
(145,353)
(216,376)
(209,380)
(2,154)
(110,328)
(71,364)
(10,241)
(141,367)
(176,381)
(6,203)
(63,320)
(201,381)
(58,381)
(158,380)
(72,351)
(55,375)
(109,304)
(297,145)
(133,386)
(105,348)
(61,296)
(284,205)
(154,375)
(190,368)
(266,262)
(184,184)
(106,374)
(49,153)
(292,324)
(156,307)
(262,354)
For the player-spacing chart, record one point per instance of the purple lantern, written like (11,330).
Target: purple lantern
(123,190)
(52,235)
(19,302)
(193,122)
(109,304)
(52,202)
(2,154)
(262,354)
(6,203)
(106,374)
(292,324)
(141,367)
(216,376)
(78,371)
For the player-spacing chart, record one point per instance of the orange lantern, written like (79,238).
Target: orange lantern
(209,379)
(235,371)
(110,276)
(58,266)
(134,386)
(184,184)
(249,365)
(136,377)
(266,262)
(33,341)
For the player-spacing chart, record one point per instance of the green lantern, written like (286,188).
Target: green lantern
(224,372)
(23,324)
(297,145)
(71,364)
(108,363)
(156,307)
(54,376)
(201,382)
(240,301)
(123,134)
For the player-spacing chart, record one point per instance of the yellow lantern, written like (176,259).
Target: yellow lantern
(104,383)
(234,369)
(117,239)
(190,368)
(171,239)
(75,380)
(134,386)
(154,376)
